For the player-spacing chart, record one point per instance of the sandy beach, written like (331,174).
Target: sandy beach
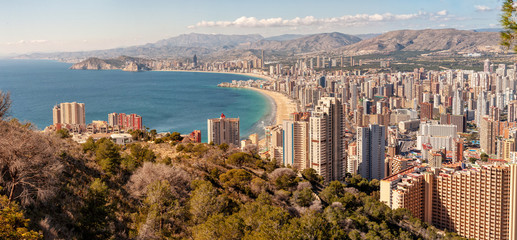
(284,105)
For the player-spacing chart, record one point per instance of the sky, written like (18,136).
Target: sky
(28,26)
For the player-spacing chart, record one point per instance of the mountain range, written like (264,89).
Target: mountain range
(230,47)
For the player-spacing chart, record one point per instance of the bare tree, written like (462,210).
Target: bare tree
(5,104)
(29,166)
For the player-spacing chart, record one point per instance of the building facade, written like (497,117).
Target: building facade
(224,130)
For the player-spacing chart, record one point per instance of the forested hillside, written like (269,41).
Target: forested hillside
(171,189)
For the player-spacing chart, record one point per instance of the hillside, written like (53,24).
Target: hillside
(306,44)
(178,190)
(212,46)
(450,40)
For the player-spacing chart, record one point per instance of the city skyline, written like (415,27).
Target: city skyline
(32,26)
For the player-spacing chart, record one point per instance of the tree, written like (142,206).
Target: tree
(108,155)
(303,197)
(63,133)
(157,216)
(97,212)
(239,159)
(5,104)
(235,178)
(509,24)
(203,201)
(30,165)
(12,223)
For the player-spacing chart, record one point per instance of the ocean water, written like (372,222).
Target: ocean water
(167,101)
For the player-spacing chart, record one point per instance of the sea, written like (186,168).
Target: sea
(167,101)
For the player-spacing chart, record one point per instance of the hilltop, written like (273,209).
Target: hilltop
(450,40)
(175,189)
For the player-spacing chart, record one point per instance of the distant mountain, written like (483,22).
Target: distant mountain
(488,30)
(229,47)
(450,40)
(285,37)
(307,44)
(183,46)
(367,35)
(206,40)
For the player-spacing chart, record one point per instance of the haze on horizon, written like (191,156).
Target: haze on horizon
(56,25)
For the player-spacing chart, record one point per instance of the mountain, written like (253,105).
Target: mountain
(285,37)
(488,30)
(367,35)
(449,40)
(125,63)
(206,40)
(307,44)
(183,46)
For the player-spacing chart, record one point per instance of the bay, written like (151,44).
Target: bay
(167,101)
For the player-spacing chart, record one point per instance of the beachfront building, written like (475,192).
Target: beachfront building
(326,149)
(125,121)
(224,130)
(69,113)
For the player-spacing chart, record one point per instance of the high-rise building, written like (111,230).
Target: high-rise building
(224,130)
(296,144)
(426,111)
(113,119)
(478,202)
(56,115)
(457,103)
(487,135)
(69,113)
(274,143)
(371,142)
(326,149)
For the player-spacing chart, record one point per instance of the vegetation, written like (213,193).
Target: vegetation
(509,33)
(5,104)
(99,190)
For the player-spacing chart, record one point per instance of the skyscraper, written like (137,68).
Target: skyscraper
(370,150)
(326,149)
(296,144)
(477,203)
(224,130)
(69,113)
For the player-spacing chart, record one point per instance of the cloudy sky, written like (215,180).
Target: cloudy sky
(58,25)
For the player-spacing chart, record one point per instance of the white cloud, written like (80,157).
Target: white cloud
(442,13)
(482,8)
(346,20)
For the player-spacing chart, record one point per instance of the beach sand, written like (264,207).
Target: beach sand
(284,106)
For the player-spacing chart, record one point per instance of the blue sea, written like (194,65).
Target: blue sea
(167,101)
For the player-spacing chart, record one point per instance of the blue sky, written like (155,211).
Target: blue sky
(52,25)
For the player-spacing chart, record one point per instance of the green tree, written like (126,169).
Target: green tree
(239,159)
(203,201)
(138,156)
(333,192)
(236,179)
(303,197)
(509,24)
(311,175)
(89,145)
(63,133)
(108,155)
(12,223)
(97,212)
